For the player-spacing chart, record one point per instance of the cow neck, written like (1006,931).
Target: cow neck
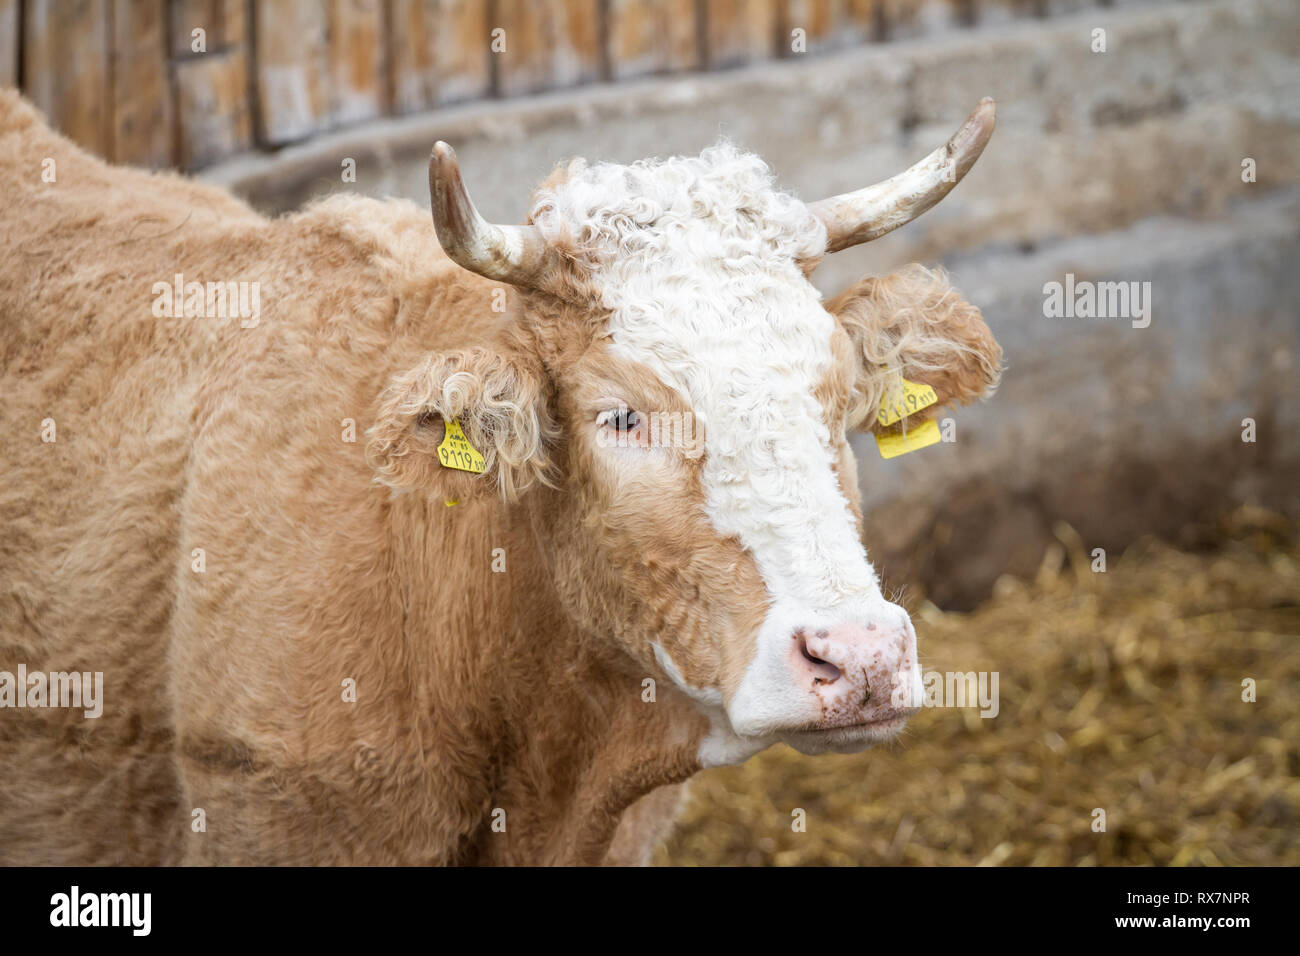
(509,680)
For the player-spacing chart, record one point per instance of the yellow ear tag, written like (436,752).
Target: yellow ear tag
(451,502)
(904,398)
(455,451)
(922,436)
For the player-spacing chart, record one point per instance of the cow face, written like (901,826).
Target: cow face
(676,377)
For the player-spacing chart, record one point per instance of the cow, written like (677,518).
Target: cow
(362,516)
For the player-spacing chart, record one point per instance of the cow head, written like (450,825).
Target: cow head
(674,376)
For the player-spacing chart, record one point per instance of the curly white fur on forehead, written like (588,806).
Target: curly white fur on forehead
(722,204)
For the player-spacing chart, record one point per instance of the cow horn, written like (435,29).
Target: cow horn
(869,213)
(514,254)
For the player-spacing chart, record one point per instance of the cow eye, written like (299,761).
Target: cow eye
(619,419)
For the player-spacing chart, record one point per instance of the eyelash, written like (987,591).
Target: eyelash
(621,420)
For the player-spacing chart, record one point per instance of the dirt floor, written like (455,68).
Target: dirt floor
(1120,691)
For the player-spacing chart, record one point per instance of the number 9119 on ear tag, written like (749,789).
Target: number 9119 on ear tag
(904,398)
(455,451)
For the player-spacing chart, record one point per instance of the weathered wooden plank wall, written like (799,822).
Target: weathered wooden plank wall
(142,106)
(652,36)
(65,66)
(355,61)
(545,44)
(437,52)
(10,44)
(826,24)
(189,82)
(210,54)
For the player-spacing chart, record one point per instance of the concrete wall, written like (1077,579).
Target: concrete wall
(1122,165)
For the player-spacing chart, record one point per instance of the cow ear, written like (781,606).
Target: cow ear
(914,322)
(498,401)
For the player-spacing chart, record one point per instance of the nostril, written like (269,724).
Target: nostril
(824,672)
